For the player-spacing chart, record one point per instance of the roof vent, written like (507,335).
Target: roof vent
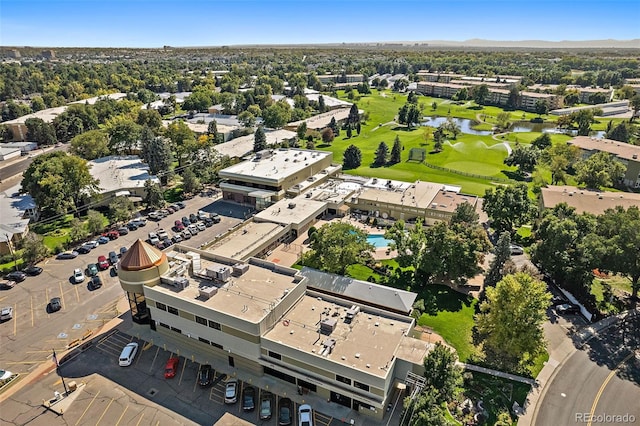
(357,354)
(368,365)
(327,325)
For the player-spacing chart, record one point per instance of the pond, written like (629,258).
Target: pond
(527,126)
(464,123)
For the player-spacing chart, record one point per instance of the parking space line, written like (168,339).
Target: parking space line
(141,416)
(195,383)
(105,410)
(77,294)
(122,415)
(87,409)
(64,306)
(15,323)
(240,396)
(31,297)
(154,359)
(184,365)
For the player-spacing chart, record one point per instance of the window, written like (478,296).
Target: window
(177,330)
(343,379)
(215,345)
(204,340)
(161,306)
(362,386)
(201,320)
(275,355)
(164,325)
(172,310)
(214,325)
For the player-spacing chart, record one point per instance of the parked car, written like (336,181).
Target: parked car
(567,308)
(7,285)
(78,276)
(185,221)
(170,209)
(154,216)
(164,212)
(305,418)
(92,269)
(132,226)
(178,226)
(32,270)
(231,392)
(128,354)
(6,313)
(208,222)
(166,242)
(17,276)
(162,234)
(123,250)
(113,257)
(153,238)
(171,367)
(111,235)
(84,249)
(558,300)
(215,217)
(193,229)
(249,398)
(95,282)
(266,405)
(285,412)
(205,375)
(202,214)
(177,238)
(123,230)
(55,305)
(67,255)
(193,218)
(175,207)
(186,234)
(516,250)
(201,226)
(93,244)
(140,221)
(103,240)
(103,263)
(181,204)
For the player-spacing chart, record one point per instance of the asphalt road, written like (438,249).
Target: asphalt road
(15,167)
(601,379)
(30,336)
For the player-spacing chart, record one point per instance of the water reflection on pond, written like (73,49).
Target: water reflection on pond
(464,123)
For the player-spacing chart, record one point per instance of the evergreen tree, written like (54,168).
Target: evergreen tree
(381,155)
(352,158)
(396,151)
(354,116)
(260,140)
(302,130)
(157,154)
(153,198)
(321,105)
(502,254)
(333,125)
(358,128)
(349,131)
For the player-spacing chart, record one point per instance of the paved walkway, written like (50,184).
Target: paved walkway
(556,360)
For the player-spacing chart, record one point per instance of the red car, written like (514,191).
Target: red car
(178,226)
(112,235)
(171,367)
(103,263)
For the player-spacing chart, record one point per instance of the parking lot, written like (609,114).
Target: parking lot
(145,377)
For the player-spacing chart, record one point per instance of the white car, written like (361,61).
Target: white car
(201,226)
(153,238)
(304,415)
(193,229)
(516,250)
(78,276)
(93,244)
(6,313)
(231,392)
(5,374)
(162,234)
(202,214)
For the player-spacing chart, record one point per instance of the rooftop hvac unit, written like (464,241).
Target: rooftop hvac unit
(327,325)
(292,205)
(207,292)
(240,269)
(181,283)
(351,313)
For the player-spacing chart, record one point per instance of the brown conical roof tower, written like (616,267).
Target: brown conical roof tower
(141,256)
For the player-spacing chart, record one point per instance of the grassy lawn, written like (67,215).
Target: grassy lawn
(604,288)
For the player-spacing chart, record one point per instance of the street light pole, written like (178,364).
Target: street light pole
(55,359)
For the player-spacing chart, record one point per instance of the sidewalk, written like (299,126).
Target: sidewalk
(556,361)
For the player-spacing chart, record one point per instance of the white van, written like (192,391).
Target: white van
(128,354)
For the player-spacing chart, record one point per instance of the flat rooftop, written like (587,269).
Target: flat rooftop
(448,201)
(583,200)
(240,243)
(249,296)
(419,194)
(239,147)
(283,212)
(120,172)
(368,343)
(620,149)
(276,168)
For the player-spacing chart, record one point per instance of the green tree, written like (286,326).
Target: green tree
(502,253)
(465,213)
(523,156)
(90,145)
(434,106)
(352,157)
(442,373)
(503,120)
(381,155)
(333,125)
(40,132)
(302,130)
(335,246)
(600,169)
(120,209)
(157,154)
(190,182)
(511,319)
(153,197)
(621,132)
(541,107)
(508,206)
(123,135)
(247,119)
(95,222)
(354,116)
(396,151)
(620,230)
(480,94)
(150,118)
(78,230)
(33,248)
(59,182)
(259,140)
(583,119)
(560,158)
(542,142)
(349,131)
(182,140)
(635,105)
(423,410)
(277,115)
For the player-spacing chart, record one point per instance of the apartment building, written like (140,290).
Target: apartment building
(440,90)
(260,317)
(527,100)
(434,77)
(627,154)
(585,200)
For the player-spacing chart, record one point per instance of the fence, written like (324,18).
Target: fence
(473,175)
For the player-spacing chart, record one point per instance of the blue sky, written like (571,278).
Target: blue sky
(154,23)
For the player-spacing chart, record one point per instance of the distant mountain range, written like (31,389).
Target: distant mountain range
(544,44)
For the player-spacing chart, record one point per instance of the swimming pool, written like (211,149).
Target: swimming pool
(378,240)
